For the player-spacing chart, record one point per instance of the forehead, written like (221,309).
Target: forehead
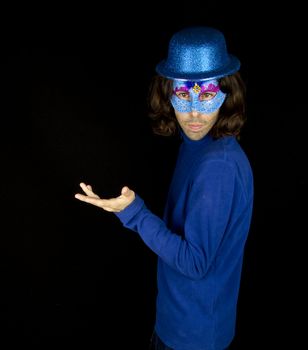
(205,85)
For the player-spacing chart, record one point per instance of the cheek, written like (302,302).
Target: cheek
(214,118)
(181,117)
(210,118)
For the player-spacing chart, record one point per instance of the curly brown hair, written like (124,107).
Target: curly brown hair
(232,114)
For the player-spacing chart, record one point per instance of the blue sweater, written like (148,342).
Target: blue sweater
(199,243)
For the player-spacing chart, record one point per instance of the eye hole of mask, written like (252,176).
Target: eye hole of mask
(207,95)
(183,95)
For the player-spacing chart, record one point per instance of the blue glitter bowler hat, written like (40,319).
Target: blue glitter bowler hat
(198,53)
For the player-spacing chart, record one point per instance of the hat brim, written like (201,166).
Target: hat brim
(232,67)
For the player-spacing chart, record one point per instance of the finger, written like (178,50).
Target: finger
(104,204)
(88,190)
(91,193)
(87,199)
(126,191)
(110,204)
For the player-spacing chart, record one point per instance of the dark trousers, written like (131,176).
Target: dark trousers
(157,344)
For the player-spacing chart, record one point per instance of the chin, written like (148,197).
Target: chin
(195,136)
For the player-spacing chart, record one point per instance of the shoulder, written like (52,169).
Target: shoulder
(221,148)
(225,150)
(225,158)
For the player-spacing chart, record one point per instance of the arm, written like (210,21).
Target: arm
(208,211)
(209,207)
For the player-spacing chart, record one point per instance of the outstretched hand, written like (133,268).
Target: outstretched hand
(113,204)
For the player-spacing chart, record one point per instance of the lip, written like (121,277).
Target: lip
(195,127)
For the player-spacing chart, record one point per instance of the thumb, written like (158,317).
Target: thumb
(126,191)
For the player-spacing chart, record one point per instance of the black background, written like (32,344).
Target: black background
(74,85)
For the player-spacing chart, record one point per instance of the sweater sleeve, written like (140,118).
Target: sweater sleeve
(208,211)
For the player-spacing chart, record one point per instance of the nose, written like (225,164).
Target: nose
(194,113)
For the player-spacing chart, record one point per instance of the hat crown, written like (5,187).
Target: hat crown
(199,52)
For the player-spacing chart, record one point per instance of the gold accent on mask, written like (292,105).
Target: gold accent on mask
(196,88)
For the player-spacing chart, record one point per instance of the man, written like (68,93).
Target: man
(200,241)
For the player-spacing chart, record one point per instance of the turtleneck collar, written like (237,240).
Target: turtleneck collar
(195,143)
